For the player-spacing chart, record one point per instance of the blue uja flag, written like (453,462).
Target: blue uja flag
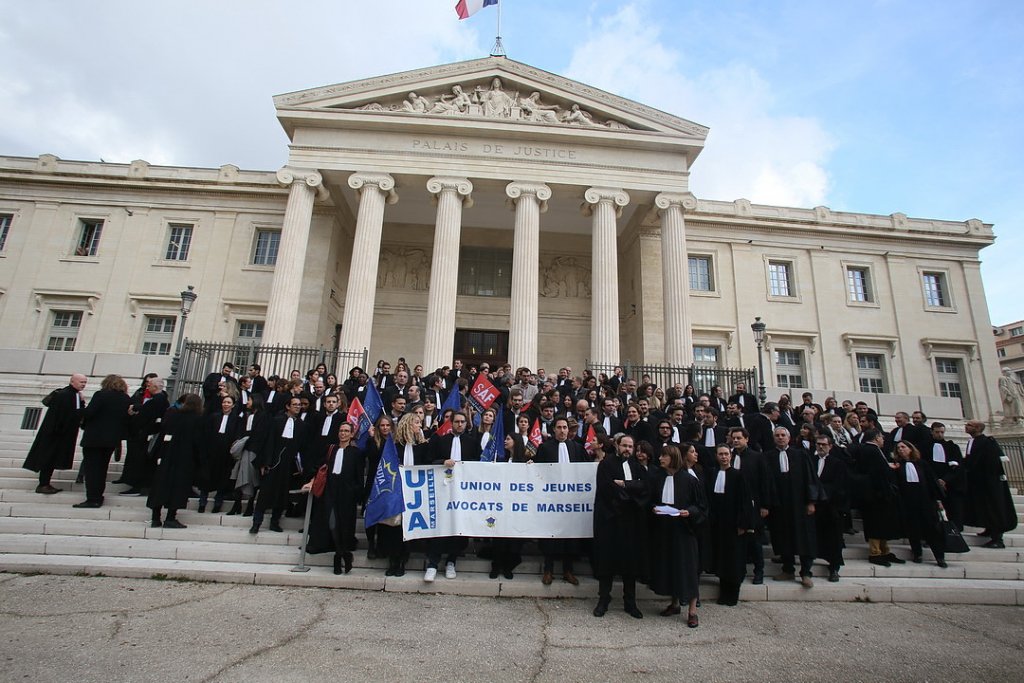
(495,449)
(372,409)
(386,497)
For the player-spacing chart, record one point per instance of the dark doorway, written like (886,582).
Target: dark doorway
(477,346)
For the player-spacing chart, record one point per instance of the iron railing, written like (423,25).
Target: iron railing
(199,359)
(1013,449)
(701,377)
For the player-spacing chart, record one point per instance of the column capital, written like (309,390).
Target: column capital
(461,186)
(613,195)
(684,200)
(517,189)
(382,181)
(289,175)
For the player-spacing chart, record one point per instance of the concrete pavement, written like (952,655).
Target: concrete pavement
(61,628)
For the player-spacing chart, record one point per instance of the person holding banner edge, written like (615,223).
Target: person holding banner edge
(456,446)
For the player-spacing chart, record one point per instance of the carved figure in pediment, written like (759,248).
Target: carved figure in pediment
(417,266)
(456,103)
(416,104)
(496,102)
(534,110)
(578,117)
(565,277)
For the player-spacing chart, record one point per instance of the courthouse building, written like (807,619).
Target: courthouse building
(490,210)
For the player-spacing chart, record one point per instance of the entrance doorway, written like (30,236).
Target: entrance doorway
(473,347)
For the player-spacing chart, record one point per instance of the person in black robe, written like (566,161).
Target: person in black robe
(833,503)
(620,526)
(560,449)
(104,426)
(54,445)
(147,410)
(946,460)
(374,449)
(730,521)
(256,429)
(879,498)
(791,517)
(220,430)
(675,565)
(989,501)
(458,445)
(333,522)
(211,387)
(920,502)
(413,449)
(177,454)
(750,463)
(277,462)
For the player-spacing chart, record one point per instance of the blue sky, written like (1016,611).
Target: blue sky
(874,107)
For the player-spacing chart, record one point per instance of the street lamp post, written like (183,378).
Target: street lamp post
(758,327)
(188,298)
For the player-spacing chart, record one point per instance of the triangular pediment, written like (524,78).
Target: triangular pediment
(491,89)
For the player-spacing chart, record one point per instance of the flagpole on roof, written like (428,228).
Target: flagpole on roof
(498,50)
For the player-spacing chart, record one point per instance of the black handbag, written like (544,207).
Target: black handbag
(955,542)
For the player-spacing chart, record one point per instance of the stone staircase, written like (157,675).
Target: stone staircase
(46,534)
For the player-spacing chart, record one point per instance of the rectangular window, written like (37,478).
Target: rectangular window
(1001,352)
(858,284)
(264,252)
(935,292)
(789,369)
(5,226)
(179,239)
(89,231)
(250,333)
(64,331)
(159,335)
(947,371)
(780,278)
(1014,331)
(701,275)
(871,373)
(488,272)
(705,355)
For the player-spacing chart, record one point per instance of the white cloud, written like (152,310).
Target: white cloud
(752,151)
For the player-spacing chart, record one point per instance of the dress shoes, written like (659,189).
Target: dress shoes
(670,611)
(347,557)
(806,581)
(569,577)
(337,563)
(217,507)
(132,492)
(758,579)
(494,573)
(916,559)
(941,563)
(880,560)
(634,611)
(173,524)
(275,526)
(833,576)
(156,524)
(895,560)
(547,578)
(994,544)
(47,489)
(508,574)
(202,509)
(254,529)
(88,504)
(119,481)
(601,608)
(400,569)
(236,508)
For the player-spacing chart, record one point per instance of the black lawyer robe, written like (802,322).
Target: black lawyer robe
(880,506)
(675,556)
(830,509)
(989,501)
(54,445)
(333,519)
(792,529)
(178,449)
(728,512)
(620,520)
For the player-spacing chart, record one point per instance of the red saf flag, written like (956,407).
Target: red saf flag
(588,440)
(483,393)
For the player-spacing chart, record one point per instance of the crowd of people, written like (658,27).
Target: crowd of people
(686,482)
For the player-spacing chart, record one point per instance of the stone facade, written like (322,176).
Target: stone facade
(612,257)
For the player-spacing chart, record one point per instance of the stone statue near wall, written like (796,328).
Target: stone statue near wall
(1012,392)
(403,268)
(565,277)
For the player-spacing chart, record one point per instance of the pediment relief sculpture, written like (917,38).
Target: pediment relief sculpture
(564,276)
(403,268)
(495,102)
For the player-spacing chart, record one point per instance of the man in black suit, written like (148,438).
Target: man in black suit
(54,445)
(324,435)
(989,501)
(611,422)
(456,446)
(746,400)
(399,388)
(259,383)
(830,509)
(906,430)
(791,517)
(750,464)
(211,386)
(761,425)
(560,449)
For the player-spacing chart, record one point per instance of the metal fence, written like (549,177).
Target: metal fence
(701,377)
(199,359)
(1013,449)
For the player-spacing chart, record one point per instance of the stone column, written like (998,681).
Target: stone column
(375,190)
(604,204)
(530,200)
(675,276)
(451,194)
(285,291)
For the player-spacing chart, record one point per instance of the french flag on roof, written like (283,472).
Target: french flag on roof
(467,8)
